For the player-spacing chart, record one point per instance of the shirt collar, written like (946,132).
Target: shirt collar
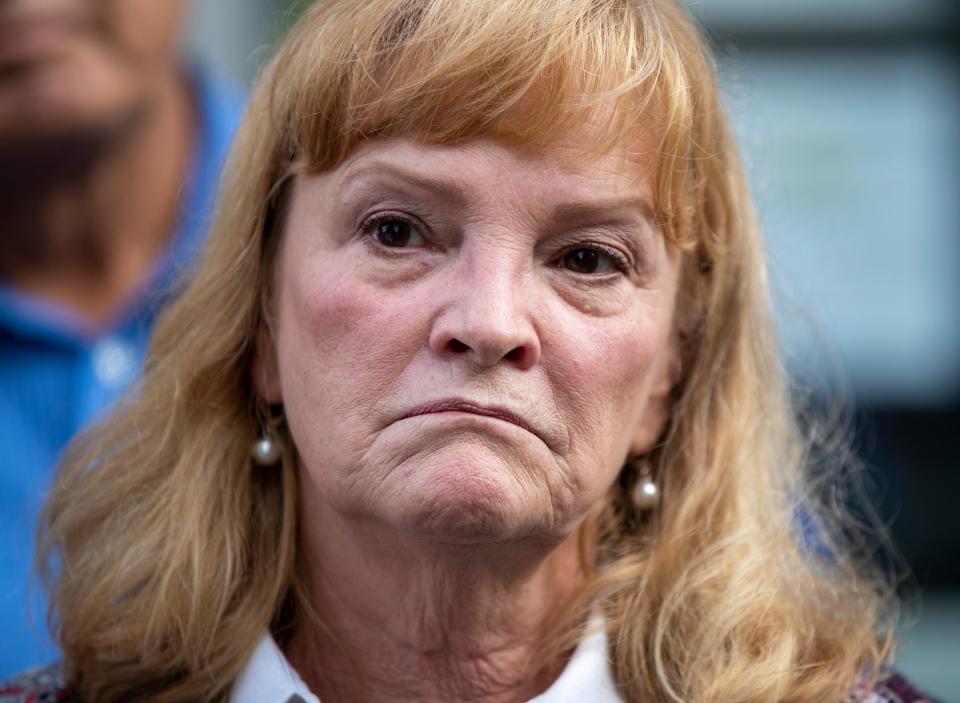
(269,678)
(587,676)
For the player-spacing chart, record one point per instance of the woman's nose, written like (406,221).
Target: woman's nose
(487,321)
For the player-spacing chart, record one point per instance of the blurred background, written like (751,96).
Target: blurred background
(848,114)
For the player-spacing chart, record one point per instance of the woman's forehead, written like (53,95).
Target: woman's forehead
(555,183)
(570,164)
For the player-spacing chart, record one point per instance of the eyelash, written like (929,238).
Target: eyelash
(620,261)
(370,223)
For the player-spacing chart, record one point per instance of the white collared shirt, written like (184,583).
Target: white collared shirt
(269,678)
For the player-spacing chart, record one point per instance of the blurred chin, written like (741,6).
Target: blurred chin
(52,100)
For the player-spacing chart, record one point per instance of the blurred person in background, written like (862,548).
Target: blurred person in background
(110,148)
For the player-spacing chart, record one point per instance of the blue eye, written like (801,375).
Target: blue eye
(593,259)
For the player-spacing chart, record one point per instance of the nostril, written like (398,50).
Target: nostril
(455,345)
(514,354)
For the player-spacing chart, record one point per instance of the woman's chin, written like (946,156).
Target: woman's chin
(472,501)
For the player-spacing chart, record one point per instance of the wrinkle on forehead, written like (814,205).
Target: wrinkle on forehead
(613,188)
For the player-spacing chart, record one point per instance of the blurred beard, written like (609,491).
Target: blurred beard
(43,176)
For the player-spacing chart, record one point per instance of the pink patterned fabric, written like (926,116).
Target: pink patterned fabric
(892,689)
(44,685)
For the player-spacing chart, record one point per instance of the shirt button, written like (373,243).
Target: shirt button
(113,362)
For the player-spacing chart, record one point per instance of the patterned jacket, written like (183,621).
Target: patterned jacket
(46,685)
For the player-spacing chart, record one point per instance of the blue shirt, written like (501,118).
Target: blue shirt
(58,371)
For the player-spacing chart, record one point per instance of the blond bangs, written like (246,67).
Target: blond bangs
(522,72)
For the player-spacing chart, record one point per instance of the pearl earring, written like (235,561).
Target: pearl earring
(646,494)
(265,450)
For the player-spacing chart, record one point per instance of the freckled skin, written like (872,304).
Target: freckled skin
(477,305)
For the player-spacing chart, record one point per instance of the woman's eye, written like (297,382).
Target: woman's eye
(593,260)
(396,233)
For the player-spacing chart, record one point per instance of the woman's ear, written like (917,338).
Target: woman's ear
(265,370)
(659,406)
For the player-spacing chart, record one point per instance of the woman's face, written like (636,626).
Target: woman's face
(469,340)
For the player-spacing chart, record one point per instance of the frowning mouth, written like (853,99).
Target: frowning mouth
(465,406)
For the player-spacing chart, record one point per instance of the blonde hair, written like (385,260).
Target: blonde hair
(171,556)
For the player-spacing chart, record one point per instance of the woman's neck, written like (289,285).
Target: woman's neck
(404,619)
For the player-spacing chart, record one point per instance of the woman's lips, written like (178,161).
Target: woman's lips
(466,406)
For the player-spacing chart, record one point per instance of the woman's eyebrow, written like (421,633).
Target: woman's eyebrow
(624,211)
(617,211)
(448,191)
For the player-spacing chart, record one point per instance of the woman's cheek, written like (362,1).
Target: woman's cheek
(342,325)
(606,373)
